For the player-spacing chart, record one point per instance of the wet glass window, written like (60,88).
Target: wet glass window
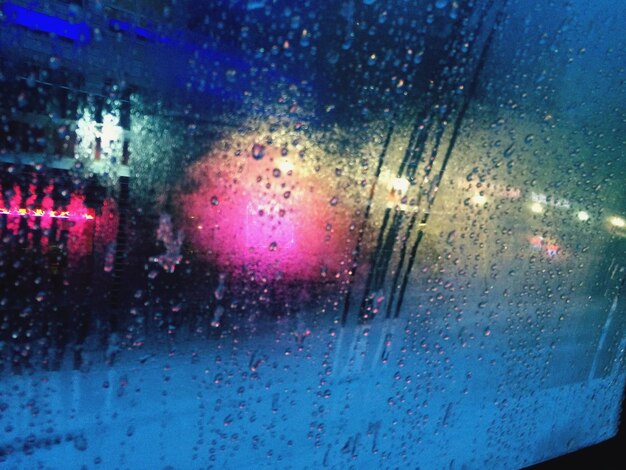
(313,234)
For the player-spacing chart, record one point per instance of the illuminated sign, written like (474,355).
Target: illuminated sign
(549,247)
(543,199)
(36,21)
(46,213)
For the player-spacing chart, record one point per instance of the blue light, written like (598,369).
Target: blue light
(118,25)
(149,35)
(36,21)
(140,32)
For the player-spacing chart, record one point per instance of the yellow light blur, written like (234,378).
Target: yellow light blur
(536,208)
(583,216)
(400,185)
(616,221)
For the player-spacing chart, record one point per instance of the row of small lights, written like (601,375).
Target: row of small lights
(538,208)
(583,216)
(24,212)
(401,185)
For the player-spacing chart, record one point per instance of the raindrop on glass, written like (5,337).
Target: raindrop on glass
(258,151)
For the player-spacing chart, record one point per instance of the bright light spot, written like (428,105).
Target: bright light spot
(479,199)
(285,166)
(583,216)
(536,208)
(617,222)
(400,185)
(111,133)
(552,249)
(103,142)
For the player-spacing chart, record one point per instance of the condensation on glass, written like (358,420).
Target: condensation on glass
(332,234)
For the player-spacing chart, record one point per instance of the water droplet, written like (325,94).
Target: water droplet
(80,443)
(273,246)
(54,62)
(276,173)
(334,201)
(217,315)
(509,150)
(305,39)
(215,201)
(332,57)
(258,151)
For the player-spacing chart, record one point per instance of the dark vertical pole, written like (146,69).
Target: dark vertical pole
(396,276)
(357,250)
(453,139)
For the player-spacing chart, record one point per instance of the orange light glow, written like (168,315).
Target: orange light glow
(46,213)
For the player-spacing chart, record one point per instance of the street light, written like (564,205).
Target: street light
(479,199)
(583,216)
(616,221)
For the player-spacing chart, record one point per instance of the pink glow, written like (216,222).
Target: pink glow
(80,239)
(266,212)
(549,248)
(47,203)
(38,214)
(13,222)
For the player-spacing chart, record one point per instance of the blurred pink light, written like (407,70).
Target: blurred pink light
(258,212)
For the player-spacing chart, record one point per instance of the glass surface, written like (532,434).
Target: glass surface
(331,234)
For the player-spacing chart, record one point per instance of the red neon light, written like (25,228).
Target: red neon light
(46,213)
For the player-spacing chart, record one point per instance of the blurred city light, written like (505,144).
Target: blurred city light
(479,199)
(400,185)
(616,221)
(583,216)
(285,166)
(58,214)
(537,208)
